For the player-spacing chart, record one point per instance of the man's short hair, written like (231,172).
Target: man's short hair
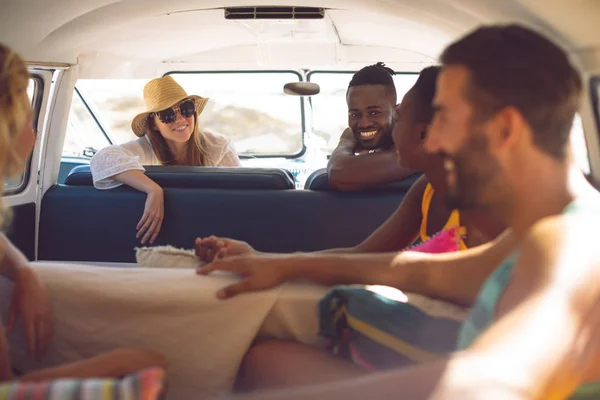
(511,65)
(376,74)
(424,92)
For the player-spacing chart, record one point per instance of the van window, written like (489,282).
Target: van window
(84,136)
(250,108)
(17,184)
(579,145)
(329,106)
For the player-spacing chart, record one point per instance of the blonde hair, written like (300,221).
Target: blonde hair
(15,109)
(196,146)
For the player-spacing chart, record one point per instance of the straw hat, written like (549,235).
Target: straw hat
(160,94)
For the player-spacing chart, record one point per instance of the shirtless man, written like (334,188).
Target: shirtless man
(505,102)
(365,156)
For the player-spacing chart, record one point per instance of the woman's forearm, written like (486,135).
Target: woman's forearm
(138,180)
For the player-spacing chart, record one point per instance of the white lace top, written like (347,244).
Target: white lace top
(133,155)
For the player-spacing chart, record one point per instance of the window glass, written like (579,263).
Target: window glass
(84,136)
(251,109)
(248,107)
(579,145)
(114,103)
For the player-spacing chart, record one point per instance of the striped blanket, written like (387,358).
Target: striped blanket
(143,385)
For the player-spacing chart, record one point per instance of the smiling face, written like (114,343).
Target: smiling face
(472,167)
(178,131)
(370,115)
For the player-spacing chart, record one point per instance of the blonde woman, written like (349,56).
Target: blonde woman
(29,299)
(168,134)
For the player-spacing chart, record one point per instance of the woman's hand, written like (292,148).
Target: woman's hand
(152,219)
(30,302)
(211,248)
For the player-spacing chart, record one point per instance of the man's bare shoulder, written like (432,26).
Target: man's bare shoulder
(564,244)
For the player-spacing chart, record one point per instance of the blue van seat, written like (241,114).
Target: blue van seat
(202,177)
(99,225)
(319,181)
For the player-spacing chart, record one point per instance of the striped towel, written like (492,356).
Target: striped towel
(147,384)
(377,332)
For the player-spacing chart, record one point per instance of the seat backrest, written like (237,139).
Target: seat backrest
(99,225)
(319,181)
(202,177)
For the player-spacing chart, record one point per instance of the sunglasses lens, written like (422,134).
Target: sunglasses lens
(187,108)
(167,116)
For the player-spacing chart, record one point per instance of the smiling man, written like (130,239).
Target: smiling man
(365,156)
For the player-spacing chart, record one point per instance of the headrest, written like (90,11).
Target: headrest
(202,177)
(319,181)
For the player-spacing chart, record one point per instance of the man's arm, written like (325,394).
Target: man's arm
(548,335)
(454,276)
(347,171)
(545,343)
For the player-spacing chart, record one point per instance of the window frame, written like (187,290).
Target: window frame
(595,96)
(324,71)
(274,71)
(36,105)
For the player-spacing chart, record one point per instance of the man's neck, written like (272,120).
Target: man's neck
(542,192)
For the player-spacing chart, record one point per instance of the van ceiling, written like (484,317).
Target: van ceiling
(140,38)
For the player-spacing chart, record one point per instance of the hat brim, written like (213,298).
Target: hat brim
(138,125)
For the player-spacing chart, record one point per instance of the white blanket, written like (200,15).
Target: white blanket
(172,311)
(175,312)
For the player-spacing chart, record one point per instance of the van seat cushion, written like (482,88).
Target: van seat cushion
(319,180)
(202,177)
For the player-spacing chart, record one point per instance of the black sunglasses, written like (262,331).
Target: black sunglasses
(187,108)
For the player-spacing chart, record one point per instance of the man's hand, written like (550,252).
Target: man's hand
(211,248)
(260,272)
(30,301)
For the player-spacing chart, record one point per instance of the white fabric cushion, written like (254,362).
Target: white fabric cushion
(166,257)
